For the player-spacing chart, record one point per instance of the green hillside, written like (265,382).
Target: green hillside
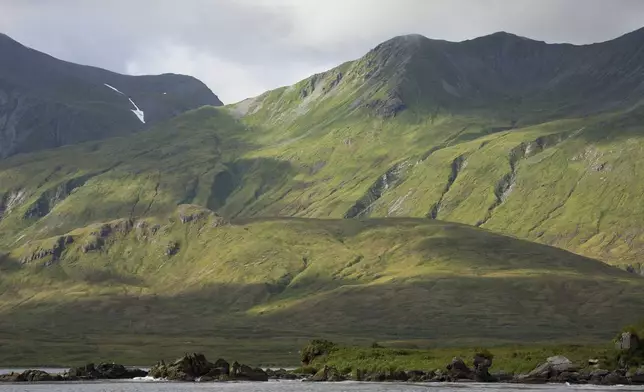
(340,188)
(139,290)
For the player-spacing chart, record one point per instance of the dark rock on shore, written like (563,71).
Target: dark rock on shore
(31,376)
(482,364)
(555,369)
(327,373)
(282,374)
(195,367)
(637,377)
(104,371)
(247,373)
(420,376)
(458,370)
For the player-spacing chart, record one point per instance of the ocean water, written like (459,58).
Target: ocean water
(298,386)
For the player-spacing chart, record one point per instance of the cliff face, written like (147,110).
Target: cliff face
(46,102)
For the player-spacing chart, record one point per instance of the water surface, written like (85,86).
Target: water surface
(297,386)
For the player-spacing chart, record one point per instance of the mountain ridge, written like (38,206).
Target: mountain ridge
(46,102)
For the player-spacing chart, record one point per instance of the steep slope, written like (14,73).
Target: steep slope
(137,290)
(529,139)
(46,102)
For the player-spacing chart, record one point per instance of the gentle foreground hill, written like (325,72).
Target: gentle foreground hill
(139,290)
(46,102)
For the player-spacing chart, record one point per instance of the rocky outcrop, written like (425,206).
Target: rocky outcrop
(390,179)
(195,367)
(458,370)
(328,373)
(104,371)
(551,370)
(247,373)
(637,377)
(482,364)
(51,197)
(54,251)
(30,376)
(457,165)
(282,374)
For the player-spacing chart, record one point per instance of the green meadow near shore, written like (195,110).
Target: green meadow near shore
(507,359)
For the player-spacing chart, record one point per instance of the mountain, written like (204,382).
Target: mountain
(46,102)
(541,143)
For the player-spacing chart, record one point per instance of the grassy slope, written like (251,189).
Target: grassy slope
(231,287)
(316,148)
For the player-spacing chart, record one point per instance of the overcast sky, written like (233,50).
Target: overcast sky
(241,48)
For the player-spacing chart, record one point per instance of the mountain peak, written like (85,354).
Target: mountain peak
(60,100)
(502,37)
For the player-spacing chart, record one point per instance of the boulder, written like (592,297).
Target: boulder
(502,376)
(246,373)
(458,370)
(549,370)
(327,373)
(569,377)
(482,364)
(617,377)
(113,371)
(281,374)
(87,372)
(638,376)
(35,376)
(187,368)
(220,370)
(596,376)
(10,377)
(420,376)
(560,364)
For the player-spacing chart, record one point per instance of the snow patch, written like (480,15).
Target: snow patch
(113,88)
(139,113)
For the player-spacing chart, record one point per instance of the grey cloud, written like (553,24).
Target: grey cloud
(242,47)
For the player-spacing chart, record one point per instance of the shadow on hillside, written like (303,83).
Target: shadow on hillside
(443,309)
(8,264)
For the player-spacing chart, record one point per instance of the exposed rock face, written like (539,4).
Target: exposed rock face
(55,251)
(46,102)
